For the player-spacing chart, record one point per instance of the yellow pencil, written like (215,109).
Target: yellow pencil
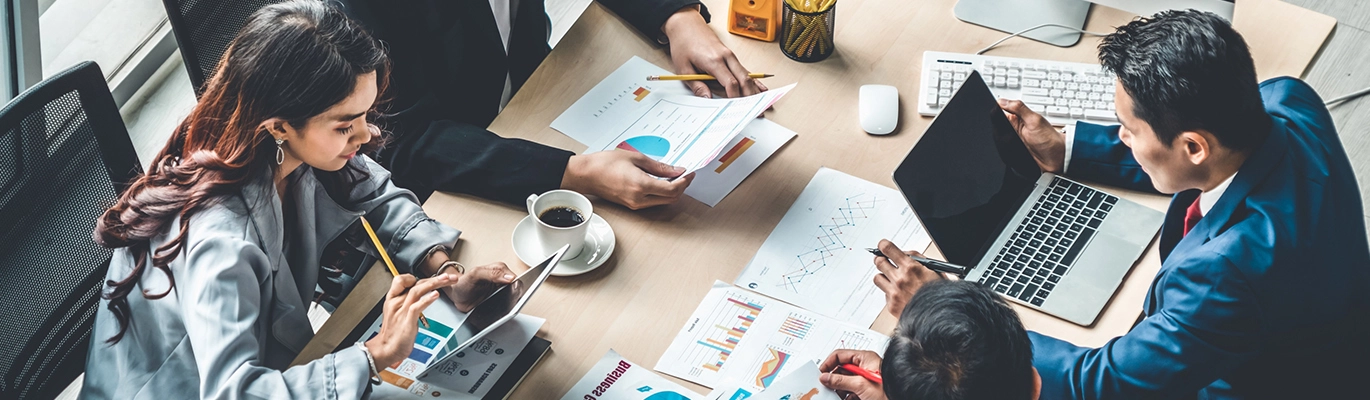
(698,77)
(386,257)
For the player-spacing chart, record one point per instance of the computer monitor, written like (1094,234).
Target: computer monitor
(1150,7)
(1016,15)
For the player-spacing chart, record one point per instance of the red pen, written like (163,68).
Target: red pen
(869,375)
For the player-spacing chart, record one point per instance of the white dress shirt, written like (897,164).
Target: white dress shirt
(1209,198)
(504,19)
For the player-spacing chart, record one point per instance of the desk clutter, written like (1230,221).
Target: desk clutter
(719,342)
(807,292)
(721,140)
(797,301)
(740,339)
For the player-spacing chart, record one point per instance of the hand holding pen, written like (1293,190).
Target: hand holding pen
(854,374)
(935,265)
(901,275)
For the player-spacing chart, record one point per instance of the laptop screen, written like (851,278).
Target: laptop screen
(968,174)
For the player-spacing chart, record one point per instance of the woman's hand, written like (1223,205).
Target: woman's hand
(476,284)
(400,318)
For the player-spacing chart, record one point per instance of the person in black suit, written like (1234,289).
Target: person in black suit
(439,112)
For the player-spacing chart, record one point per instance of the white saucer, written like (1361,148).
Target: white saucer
(599,245)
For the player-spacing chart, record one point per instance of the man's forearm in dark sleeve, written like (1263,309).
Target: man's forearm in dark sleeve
(462,158)
(649,15)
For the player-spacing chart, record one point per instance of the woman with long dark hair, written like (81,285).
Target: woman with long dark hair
(218,245)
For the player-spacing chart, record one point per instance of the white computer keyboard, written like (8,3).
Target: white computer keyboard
(1064,92)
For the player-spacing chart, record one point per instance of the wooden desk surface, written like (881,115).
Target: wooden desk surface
(667,258)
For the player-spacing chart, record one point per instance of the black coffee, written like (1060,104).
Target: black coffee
(562,217)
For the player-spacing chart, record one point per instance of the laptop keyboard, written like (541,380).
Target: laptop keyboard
(1047,241)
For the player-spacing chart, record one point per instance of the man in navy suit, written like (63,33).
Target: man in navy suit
(1264,253)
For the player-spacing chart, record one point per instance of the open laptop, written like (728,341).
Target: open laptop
(1041,240)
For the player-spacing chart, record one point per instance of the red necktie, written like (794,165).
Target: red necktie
(1192,216)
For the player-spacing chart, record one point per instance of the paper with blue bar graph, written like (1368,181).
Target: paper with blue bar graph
(739,333)
(816,257)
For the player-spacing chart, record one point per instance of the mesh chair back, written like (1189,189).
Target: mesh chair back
(203,30)
(64,157)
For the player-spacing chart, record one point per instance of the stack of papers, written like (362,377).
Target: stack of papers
(665,121)
(808,291)
(802,384)
(616,378)
(816,257)
(738,333)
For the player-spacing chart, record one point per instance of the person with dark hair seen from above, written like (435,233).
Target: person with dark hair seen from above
(954,341)
(1264,257)
(216,247)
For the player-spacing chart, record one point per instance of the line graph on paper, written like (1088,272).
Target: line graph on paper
(815,257)
(831,241)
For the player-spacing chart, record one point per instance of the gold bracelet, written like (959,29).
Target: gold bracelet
(461,269)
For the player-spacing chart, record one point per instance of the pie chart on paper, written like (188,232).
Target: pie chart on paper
(655,147)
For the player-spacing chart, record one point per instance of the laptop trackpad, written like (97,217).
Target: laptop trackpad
(1089,284)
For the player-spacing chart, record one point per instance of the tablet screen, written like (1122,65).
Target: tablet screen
(500,307)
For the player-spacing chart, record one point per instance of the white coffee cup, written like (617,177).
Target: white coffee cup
(551,237)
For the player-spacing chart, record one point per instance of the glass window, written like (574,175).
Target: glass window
(109,32)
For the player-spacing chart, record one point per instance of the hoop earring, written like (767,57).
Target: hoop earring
(280,154)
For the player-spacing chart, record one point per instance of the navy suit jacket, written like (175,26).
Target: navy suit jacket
(1265,298)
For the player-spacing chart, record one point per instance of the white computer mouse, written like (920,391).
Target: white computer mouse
(879,109)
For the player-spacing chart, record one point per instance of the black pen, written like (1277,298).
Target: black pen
(935,265)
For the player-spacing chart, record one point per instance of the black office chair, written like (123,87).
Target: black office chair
(203,30)
(65,155)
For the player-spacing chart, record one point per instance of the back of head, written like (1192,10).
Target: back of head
(958,341)
(1187,71)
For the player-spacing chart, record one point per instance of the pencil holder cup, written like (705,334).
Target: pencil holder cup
(806,33)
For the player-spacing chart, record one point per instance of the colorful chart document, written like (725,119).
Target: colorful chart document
(740,333)
(802,384)
(662,120)
(625,91)
(757,142)
(470,374)
(615,378)
(816,257)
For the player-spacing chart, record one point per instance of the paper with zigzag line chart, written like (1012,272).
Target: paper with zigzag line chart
(816,256)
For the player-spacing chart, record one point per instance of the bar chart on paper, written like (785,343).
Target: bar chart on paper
(725,328)
(737,334)
(816,259)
